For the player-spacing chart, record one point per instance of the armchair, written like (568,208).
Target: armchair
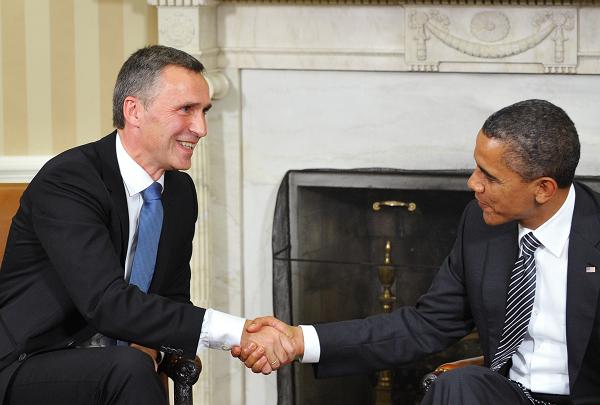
(184,372)
(429,378)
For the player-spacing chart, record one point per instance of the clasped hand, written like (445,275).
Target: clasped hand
(267,344)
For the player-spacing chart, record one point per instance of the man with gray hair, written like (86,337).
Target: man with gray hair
(97,257)
(523,270)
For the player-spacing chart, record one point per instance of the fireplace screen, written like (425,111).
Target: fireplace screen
(328,245)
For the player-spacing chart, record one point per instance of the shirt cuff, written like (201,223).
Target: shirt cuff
(220,330)
(312,346)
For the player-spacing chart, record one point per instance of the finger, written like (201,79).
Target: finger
(288,347)
(247,351)
(258,323)
(254,357)
(260,365)
(267,369)
(275,364)
(281,356)
(236,351)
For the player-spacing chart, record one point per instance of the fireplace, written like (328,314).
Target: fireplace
(346,84)
(328,243)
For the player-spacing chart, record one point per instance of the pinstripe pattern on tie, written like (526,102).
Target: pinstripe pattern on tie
(521,293)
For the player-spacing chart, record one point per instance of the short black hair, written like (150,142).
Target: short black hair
(141,70)
(541,140)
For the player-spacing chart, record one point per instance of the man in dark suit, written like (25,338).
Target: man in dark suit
(524,270)
(80,277)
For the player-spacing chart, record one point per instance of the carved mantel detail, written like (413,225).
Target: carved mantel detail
(491,37)
(543,3)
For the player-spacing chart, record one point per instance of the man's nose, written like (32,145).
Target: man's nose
(474,184)
(198,125)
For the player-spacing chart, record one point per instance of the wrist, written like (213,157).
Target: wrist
(298,338)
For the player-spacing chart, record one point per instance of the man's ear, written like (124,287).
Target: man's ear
(545,189)
(132,110)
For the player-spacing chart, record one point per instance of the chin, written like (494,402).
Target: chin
(182,165)
(493,219)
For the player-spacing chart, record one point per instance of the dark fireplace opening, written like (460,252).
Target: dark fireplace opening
(328,243)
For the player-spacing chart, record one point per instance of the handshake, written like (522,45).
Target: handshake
(267,344)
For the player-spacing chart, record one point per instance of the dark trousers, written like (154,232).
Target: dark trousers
(474,385)
(93,376)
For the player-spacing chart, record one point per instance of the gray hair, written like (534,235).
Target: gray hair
(140,72)
(541,140)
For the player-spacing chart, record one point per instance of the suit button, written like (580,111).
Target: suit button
(22,356)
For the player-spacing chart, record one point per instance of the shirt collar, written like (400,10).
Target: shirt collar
(554,233)
(135,178)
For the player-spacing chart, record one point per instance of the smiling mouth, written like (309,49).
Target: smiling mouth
(187,145)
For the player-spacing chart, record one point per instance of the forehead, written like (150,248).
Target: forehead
(490,155)
(176,83)
(489,149)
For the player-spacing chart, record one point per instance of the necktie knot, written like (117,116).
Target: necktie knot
(152,192)
(529,244)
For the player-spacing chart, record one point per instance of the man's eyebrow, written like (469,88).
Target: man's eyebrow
(487,174)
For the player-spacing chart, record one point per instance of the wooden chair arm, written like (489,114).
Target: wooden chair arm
(472,361)
(184,372)
(431,377)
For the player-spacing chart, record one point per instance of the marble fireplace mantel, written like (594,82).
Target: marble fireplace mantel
(353,83)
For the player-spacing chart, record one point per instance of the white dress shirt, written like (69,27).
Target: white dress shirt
(218,330)
(541,362)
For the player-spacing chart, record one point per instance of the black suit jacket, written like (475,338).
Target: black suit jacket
(62,275)
(470,290)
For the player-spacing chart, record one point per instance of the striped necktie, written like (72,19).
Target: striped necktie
(149,227)
(521,293)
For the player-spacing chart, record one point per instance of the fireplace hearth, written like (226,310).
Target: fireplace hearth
(328,243)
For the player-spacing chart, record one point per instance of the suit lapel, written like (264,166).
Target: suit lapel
(582,286)
(114,183)
(502,252)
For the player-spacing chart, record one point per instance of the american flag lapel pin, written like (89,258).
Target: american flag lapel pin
(590,269)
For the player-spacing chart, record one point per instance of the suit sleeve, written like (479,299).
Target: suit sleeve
(441,317)
(70,213)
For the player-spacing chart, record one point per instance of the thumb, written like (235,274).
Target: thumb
(258,323)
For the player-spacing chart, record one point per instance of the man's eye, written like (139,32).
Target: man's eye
(186,108)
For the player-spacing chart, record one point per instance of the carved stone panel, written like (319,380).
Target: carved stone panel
(178,27)
(508,39)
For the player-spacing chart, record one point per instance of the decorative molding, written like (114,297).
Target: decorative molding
(178,29)
(492,26)
(487,3)
(20,169)
(180,3)
(218,85)
(200,285)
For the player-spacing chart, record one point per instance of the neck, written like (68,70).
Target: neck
(134,151)
(547,210)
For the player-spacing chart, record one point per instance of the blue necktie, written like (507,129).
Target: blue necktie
(150,224)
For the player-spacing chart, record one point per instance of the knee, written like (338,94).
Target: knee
(462,375)
(132,363)
(131,378)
